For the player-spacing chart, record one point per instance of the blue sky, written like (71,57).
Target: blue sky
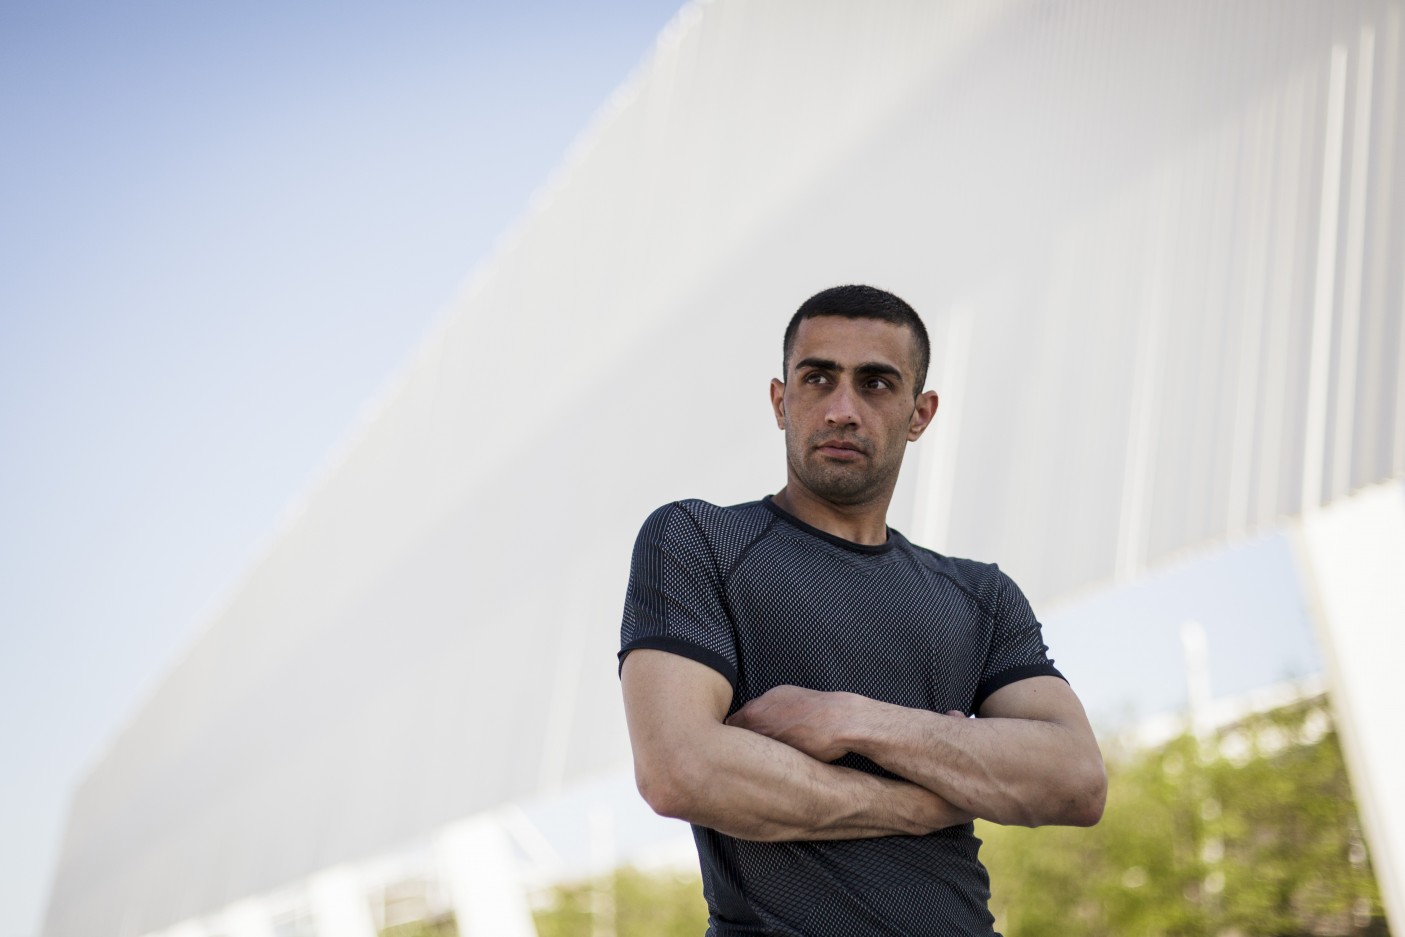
(1121,647)
(224,228)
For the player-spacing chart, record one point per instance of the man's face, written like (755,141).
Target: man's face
(847,407)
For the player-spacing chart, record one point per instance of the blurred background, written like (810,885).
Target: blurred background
(344,348)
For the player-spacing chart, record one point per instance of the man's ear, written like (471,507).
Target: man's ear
(924,408)
(778,401)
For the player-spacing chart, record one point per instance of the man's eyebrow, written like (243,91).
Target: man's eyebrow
(878,369)
(866,369)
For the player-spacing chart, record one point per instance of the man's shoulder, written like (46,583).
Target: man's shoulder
(722,530)
(701,512)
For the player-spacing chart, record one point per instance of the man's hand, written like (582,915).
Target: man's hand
(822,725)
(813,721)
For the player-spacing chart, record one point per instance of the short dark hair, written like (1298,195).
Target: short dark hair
(861,302)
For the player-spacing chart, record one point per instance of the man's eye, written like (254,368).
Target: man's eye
(815,377)
(877,383)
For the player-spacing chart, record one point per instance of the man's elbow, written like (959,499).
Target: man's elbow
(668,786)
(1076,799)
(1090,796)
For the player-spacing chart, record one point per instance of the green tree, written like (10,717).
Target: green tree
(444,926)
(643,904)
(1253,834)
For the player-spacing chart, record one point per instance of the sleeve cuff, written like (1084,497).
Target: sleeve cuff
(683,649)
(1013,675)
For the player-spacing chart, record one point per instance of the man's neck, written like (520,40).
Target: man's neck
(859,523)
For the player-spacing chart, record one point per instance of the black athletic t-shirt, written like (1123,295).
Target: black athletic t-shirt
(766,600)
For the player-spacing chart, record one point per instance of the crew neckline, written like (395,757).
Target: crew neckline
(789,518)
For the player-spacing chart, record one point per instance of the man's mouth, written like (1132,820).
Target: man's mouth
(839,449)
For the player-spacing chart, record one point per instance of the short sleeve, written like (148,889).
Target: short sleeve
(674,600)
(1017,649)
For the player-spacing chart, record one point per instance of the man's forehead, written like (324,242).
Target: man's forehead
(850,342)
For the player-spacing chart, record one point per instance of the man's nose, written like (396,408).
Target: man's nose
(842,409)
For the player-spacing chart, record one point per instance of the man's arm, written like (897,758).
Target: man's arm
(1030,759)
(689,764)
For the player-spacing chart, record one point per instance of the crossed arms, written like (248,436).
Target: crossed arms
(1030,758)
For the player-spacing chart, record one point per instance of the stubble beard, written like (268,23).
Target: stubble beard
(842,483)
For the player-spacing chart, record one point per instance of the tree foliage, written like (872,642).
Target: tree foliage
(1252,833)
(629,903)
(442,926)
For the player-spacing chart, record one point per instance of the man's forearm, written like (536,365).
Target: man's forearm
(1030,760)
(1016,771)
(689,764)
(751,787)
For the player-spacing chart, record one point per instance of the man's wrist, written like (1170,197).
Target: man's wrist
(876,730)
(857,724)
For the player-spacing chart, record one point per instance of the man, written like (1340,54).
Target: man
(797,675)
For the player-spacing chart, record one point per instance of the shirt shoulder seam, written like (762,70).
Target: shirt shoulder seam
(988,612)
(746,550)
